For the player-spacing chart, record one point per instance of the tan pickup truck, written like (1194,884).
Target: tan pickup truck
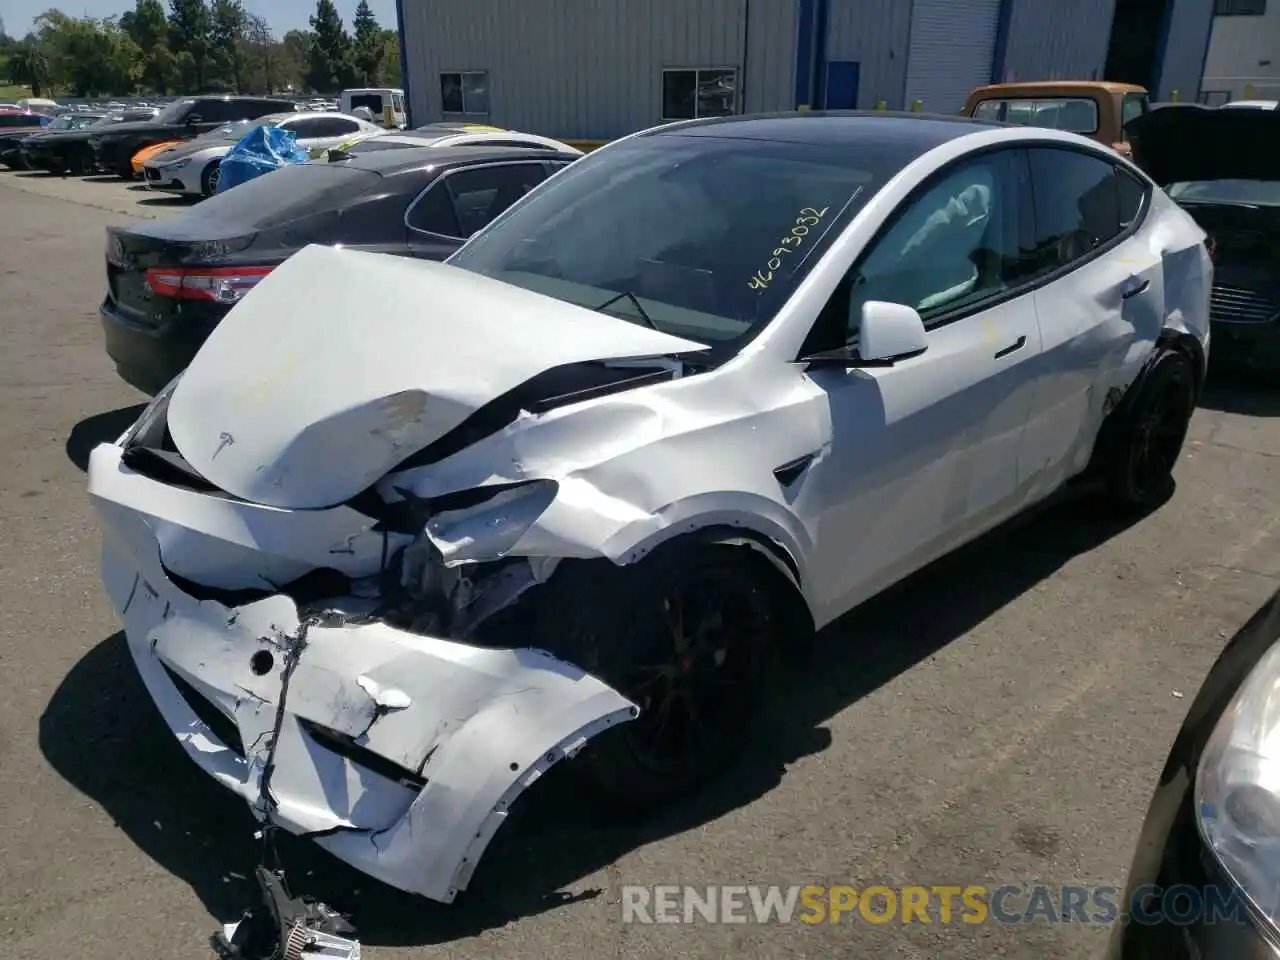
(1091,108)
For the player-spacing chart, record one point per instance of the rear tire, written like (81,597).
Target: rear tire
(209,179)
(1144,447)
(685,634)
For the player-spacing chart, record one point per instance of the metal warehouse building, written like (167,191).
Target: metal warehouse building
(598,69)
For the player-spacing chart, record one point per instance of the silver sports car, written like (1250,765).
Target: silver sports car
(192,167)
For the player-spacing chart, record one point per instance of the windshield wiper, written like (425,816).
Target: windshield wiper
(628,295)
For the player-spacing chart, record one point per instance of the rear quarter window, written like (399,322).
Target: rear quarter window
(1073,114)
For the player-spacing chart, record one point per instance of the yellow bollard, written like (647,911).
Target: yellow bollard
(1248,91)
(917,106)
(881,105)
(1174,96)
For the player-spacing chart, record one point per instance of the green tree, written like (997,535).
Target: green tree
(89,55)
(190,41)
(329,65)
(227,41)
(389,65)
(367,48)
(261,55)
(147,26)
(295,54)
(29,65)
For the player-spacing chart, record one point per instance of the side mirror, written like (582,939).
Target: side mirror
(887,333)
(193,119)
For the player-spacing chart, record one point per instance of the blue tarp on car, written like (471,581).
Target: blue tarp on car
(262,150)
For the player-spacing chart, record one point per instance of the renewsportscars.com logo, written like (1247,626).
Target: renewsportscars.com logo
(933,904)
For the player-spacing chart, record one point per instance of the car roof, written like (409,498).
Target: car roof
(916,133)
(315,114)
(1055,86)
(228,97)
(413,159)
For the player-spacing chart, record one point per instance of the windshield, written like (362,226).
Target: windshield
(1263,193)
(710,234)
(175,112)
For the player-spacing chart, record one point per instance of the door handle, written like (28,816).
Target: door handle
(1012,348)
(1136,290)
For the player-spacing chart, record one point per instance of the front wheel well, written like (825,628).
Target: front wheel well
(770,559)
(1188,345)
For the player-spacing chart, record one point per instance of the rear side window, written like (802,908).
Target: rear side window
(480,194)
(433,213)
(288,194)
(1073,114)
(1077,203)
(371,100)
(337,127)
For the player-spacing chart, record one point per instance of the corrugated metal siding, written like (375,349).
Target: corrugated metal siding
(875,34)
(1057,40)
(1238,53)
(1181,66)
(951,51)
(593,68)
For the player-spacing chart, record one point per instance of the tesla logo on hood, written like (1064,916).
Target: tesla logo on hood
(224,440)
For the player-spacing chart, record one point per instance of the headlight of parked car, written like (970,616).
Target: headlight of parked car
(1238,789)
(176,164)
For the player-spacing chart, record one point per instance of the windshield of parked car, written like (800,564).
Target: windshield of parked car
(175,112)
(710,235)
(1263,193)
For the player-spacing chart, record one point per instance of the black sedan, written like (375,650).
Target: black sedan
(113,149)
(169,282)
(65,148)
(1205,881)
(14,126)
(1222,165)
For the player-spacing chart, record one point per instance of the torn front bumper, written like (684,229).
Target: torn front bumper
(401,754)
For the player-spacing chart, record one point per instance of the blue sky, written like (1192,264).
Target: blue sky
(282,14)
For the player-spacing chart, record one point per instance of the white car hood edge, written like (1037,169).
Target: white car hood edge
(340,364)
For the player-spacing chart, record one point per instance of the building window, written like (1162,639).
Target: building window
(690,94)
(465,91)
(1240,8)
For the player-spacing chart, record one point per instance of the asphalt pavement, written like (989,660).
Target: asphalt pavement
(999,719)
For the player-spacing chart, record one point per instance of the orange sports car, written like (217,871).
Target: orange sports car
(146,153)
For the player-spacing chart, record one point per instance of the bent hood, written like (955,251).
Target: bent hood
(340,364)
(1185,142)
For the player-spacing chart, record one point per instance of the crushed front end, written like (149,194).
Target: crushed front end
(319,664)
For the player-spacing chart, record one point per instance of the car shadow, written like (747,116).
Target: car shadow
(99,428)
(174,200)
(101,733)
(1246,392)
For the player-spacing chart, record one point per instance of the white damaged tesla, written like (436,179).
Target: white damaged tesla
(405,535)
